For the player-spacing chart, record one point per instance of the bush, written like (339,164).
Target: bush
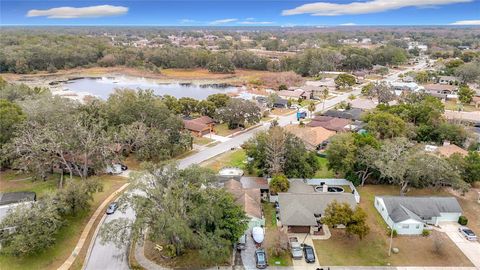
(389,232)
(463,220)
(425,232)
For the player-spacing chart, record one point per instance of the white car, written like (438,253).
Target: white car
(467,233)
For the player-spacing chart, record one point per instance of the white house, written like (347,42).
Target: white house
(410,215)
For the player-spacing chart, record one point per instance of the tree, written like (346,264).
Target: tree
(188,105)
(275,150)
(77,196)
(324,95)
(277,242)
(471,172)
(465,94)
(183,210)
(311,108)
(279,183)
(383,92)
(36,226)
(345,80)
(341,152)
(220,63)
(385,125)
(342,214)
(11,115)
(469,72)
(220,100)
(239,113)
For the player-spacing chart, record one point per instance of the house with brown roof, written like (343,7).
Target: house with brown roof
(199,126)
(449,149)
(330,123)
(441,90)
(312,137)
(292,94)
(249,199)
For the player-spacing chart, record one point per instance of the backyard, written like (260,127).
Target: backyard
(341,249)
(324,172)
(271,224)
(68,235)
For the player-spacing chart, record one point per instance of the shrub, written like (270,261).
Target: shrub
(425,232)
(389,232)
(463,220)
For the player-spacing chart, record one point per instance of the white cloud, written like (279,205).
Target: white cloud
(222,21)
(348,24)
(83,12)
(467,22)
(255,22)
(373,6)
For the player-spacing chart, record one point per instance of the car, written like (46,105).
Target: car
(309,254)
(467,233)
(295,248)
(260,258)
(112,208)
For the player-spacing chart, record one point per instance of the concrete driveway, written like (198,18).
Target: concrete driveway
(302,264)
(471,249)
(248,254)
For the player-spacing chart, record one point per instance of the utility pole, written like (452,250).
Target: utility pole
(391,239)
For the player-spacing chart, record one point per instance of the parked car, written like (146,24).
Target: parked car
(260,259)
(467,233)
(112,208)
(309,254)
(295,248)
(242,242)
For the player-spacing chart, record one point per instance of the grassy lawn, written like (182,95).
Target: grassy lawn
(12,181)
(373,249)
(324,172)
(67,237)
(271,224)
(222,130)
(202,140)
(452,105)
(279,112)
(132,163)
(234,158)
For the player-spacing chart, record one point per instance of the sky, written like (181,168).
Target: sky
(240,13)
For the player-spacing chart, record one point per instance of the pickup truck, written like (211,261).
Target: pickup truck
(295,248)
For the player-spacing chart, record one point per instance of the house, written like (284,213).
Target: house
(411,215)
(448,80)
(441,90)
(292,94)
(352,114)
(17,197)
(312,137)
(399,87)
(280,103)
(199,126)
(408,79)
(330,123)
(301,208)
(249,199)
(448,149)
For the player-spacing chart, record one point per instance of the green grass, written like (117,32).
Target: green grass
(12,181)
(202,140)
(324,172)
(271,224)
(68,235)
(234,158)
(222,130)
(452,105)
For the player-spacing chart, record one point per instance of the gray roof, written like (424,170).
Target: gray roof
(298,209)
(401,208)
(353,114)
(16,197)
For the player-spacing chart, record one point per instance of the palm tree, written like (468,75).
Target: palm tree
(311,108)
(324,96)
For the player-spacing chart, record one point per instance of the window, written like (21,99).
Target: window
(418,226)
(406,226)
(382,209)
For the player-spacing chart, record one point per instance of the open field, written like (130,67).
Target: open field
(68,235)
(373,249)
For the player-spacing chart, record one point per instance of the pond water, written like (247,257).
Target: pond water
(103,87)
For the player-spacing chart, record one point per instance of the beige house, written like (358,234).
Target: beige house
(312,137)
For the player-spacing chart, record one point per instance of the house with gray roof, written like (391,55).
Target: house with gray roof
(411,215)
(302,207)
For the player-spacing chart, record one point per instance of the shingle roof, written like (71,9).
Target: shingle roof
(330,123)
(401,208)
(312,136)
(249,199)
(448,150)
(289,93)
(354,114)
(198,124)
(16,197)
(298,209)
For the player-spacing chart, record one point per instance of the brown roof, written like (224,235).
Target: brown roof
(312,136)
(440,87)
(249,198)
(450,149)
(288,93)
(254,182)
(198,124)
(330,123)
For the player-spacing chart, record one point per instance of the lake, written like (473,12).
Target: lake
(103,87)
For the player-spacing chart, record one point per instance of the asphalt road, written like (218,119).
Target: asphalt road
(108,256)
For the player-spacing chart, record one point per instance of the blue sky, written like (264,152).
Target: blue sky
(240,13)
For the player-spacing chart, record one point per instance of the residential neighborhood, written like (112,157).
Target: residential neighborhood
(240,135)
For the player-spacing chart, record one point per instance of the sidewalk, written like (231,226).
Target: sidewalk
(68,263)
